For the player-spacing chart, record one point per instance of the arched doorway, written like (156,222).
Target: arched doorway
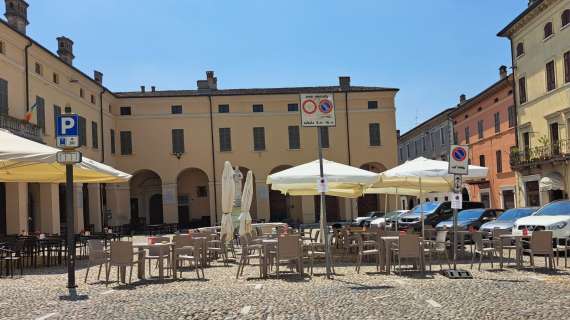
(465,194)
(284,208)
(371,202)
(332,208)
(146,198)
(2,209)
(193,198)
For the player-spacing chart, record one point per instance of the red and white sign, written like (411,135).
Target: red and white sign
(459,160)
(317,110)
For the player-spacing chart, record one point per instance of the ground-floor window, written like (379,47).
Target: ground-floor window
(508,199)
(486,199)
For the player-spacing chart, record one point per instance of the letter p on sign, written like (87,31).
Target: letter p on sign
(66,124)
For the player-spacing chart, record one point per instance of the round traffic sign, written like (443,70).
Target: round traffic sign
(309,106)
(459,154)
(325,106)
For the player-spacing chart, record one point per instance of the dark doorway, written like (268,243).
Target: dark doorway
(367,203)
(31,208)
(278,206)
(86,219)
(554,195)
(486,199)
(155,209)
(508,199)
(465,195)
(332,208)
(3,228)
(554,138)
(62,215)
(532,194)
(184,211)
(135,212)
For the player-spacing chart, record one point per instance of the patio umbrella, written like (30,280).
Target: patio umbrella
(342,180)
(228,193)
(246,197)
(23,160)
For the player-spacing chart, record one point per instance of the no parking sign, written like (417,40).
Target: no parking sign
(459,160)
(317,110)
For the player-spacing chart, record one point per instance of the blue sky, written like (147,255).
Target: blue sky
(432,50)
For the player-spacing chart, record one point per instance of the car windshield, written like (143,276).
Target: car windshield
(426,207)
(514,214)
(560,208)
(470,214)
(392,214)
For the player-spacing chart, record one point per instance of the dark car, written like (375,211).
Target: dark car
(434,212)
(470,218)
(507,219)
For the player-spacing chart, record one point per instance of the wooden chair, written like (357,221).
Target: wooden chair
(289,250)
(408,247)
(190,250)
(540,245)
(370,249)
(158,252)
(121,256)
(97,257)
(483,248)
(249,251)
(438,247)
(317,251)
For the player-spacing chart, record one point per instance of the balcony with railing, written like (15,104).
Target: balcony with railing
(21,128)
(548,152)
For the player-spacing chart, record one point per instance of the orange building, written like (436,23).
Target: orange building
(487,124)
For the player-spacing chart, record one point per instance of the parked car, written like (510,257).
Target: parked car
(507,219)
(360,221)
(554,216)
(389,219)
(434,212)
(470,218)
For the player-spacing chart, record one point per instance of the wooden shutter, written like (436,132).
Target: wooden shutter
(294,138)
(522,90)
(56,114)
(550,76)
(126,143)
(3,96)
(259,139)
(94,135)
(567,66)
(82,126)
(41,112)
(225,139)
(374,134)
(112,141)
(177,141)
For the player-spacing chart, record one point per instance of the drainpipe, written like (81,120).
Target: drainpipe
(348,142)
(514,67)
(213,160)
(102,186)
(27,76)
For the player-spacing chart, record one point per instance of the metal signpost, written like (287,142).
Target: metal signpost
(67,137)
(317,110)
(458,166)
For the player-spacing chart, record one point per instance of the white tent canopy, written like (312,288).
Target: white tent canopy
(342,180)
(23,160)
(432,175)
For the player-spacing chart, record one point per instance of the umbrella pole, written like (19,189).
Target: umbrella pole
(70,227)
(422,209)
(323,217)
(385,203)
(397,207)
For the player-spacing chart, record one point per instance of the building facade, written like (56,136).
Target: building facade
(540,43)
(176,142)
(486,123)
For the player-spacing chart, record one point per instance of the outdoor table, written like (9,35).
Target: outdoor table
(140,261)
(268,244)
(519,247)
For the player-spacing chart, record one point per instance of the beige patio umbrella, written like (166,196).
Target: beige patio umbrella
(228,193)
(246,197)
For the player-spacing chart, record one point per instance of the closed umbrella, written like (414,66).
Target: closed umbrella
(228,193)
(246,197)
(23,160)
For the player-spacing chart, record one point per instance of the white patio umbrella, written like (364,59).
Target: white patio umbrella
(246,197)
(342,180)
(228,193)
(23,160)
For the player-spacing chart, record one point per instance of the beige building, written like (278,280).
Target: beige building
(540,42)
(175,142)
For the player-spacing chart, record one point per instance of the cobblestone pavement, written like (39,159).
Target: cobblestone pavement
(492,294)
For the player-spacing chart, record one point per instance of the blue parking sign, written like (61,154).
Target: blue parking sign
(67,131)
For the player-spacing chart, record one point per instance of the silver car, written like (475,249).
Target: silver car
(506,220)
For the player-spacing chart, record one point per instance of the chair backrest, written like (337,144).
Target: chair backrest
(288,247)
(441,237)
(409,246)
(477,238)
(121,252)
(498,232)
(162,239)
(181,241)
(541,242)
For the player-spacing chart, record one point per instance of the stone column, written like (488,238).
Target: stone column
(262,197)
(78,207)
(213,203)
(169,203)
(95,215)
(308,207)
(346,207)
(16,207)
(49,208)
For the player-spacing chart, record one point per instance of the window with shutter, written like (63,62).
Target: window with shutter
(372,104)
(467,135)
(178,141)
(112,133)
(294,137)
(512,116)
(520,49)
(567,67)
(258,138)
(176,109)
(257,108)
(41,112)
(293,107)
(499,161)
(565,17)
(82,126)
(126,143)
(550,76)
(522,90)
(548,31)
(3,96)
(480,126)
(56,114)
(497,122)
(225,139)
(374,134)
(125,111)
(324,137)
(223,108)
(482,160)
(94,135)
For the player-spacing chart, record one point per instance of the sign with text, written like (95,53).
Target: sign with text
(69,157)
(456,201)
(317,110)
(67,131)
(322,185)
(459,160)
